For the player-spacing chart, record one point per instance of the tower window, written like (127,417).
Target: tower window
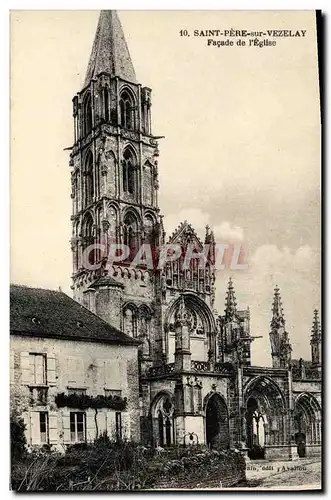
(87,115)
(89,185)
(106,103)
(127,111)
(129,173)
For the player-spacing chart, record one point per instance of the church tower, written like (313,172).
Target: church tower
(114,182)
(279,339)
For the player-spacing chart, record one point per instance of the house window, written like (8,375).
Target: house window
(112,392)
(77,427)
(43,426)
(118,420)
(38,369)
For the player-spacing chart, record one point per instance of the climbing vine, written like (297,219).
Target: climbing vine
(84,401)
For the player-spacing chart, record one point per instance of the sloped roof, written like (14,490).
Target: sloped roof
(106,281)
(110,53)
(37,312)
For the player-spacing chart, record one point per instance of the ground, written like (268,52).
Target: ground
(305,473)
(286,475)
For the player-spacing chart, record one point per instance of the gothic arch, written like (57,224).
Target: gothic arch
(106,102)
(87,114)
(127,103)
(273,394)
(149,228)
(87,224)
(265,412)
(196,304)
(130,315)
(148,182)
(162,415)
(307,419)
(151,214)
(216,420)
(131,230)
(88,175)
(129,170)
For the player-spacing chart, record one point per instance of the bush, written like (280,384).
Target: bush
(112,466)
(256,452)
(17,438)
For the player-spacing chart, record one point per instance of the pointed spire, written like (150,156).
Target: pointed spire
(181,313)
(110,53)
(230,301)
(316,329)
(277,310)
(207,235)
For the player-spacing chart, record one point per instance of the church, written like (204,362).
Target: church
(196,381)
(170,368)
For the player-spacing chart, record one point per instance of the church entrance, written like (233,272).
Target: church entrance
(307,422)
(264,420)
(217,423)
(255,429)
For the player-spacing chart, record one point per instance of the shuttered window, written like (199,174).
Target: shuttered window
(37,369)
(43,426)
(118,420)
(77,427)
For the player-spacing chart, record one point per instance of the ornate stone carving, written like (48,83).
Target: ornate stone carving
(105,225)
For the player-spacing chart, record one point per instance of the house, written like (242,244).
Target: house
(72,375)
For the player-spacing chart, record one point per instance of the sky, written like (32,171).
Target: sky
(241,150)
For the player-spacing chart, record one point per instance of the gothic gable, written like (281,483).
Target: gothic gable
(185,235)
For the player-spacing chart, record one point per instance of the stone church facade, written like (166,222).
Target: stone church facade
(196,381)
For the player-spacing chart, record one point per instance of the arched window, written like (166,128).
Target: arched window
(150,230)
(164,415)
(106,103)
(89,184)
(131,231)
(127,110)
(87,110)
(88,238)
(130,322)
(129,172)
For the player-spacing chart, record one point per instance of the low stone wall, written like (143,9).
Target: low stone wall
(220,469)
(289,452)
(313,450)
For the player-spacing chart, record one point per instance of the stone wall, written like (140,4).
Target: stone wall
(209,469)
(93,367)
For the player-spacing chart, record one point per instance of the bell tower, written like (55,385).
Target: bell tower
(114,181)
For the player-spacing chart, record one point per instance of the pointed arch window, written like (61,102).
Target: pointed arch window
(130,322)
(127,110)
(87,115)
(89,184)
(88,237)
(129,172)
(165,422)
(106,103)
(131,233)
